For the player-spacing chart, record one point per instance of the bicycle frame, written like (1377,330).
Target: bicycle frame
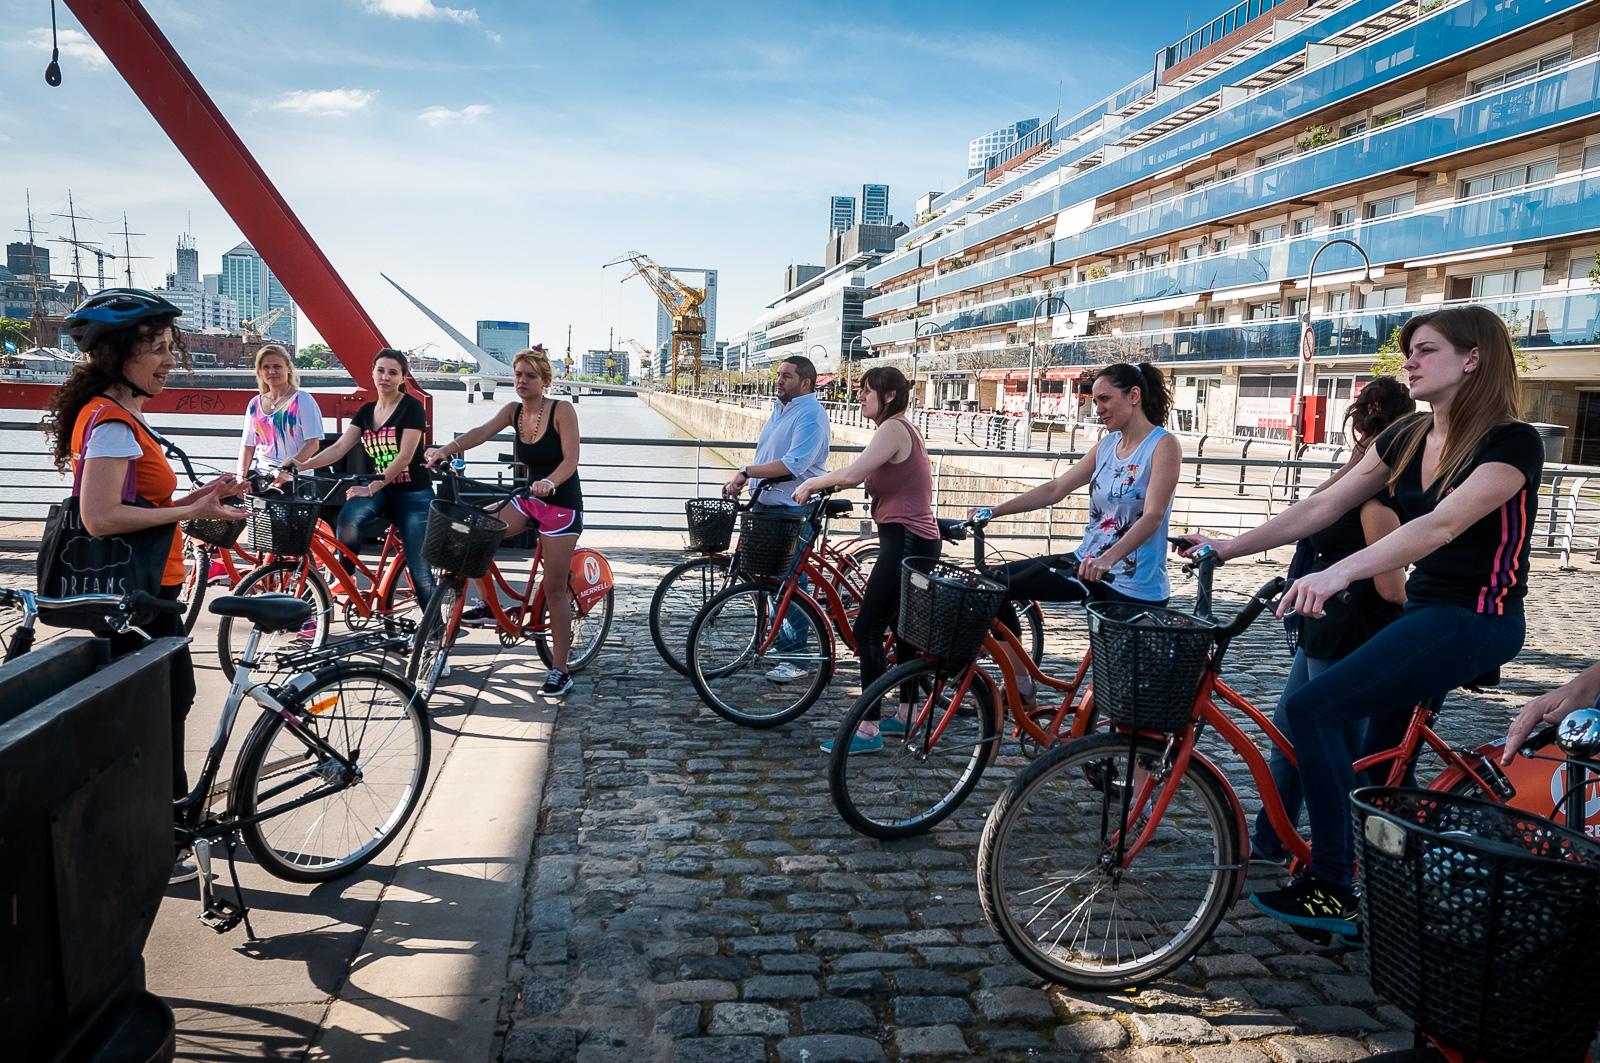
(530,601)
(1077,695)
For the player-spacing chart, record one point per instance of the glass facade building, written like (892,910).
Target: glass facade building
(841,213)
(254,290)
(1458,143)
(980,148)
(875,205)
(503,339)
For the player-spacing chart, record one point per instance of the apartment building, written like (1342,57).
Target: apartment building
(1457,142)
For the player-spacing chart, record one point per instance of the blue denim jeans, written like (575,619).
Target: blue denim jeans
(1264,842)
(1427,652)
(408,512)
(796,628)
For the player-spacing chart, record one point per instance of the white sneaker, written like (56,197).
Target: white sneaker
(785,672)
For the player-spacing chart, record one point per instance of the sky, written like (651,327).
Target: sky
(492,158)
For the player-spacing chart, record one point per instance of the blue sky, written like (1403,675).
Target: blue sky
(492,156)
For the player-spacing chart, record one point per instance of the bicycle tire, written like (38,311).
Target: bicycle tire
(701,579)
(341,702)
(196,578)
(900,791)
(1032,901)
(1031,617)
(589,632)
(726,668)
(279,577)
(435,636)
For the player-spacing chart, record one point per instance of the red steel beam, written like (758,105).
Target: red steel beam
(153,70)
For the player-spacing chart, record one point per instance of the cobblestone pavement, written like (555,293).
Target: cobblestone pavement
(694,895)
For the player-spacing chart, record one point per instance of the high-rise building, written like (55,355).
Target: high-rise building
(796,275)
(875,205)
(605,363)
(841,213)
(28,260)
(187,275)
(708,309)
(254,290)
(503,339)
(980,148)
(202,309)
(1180,229)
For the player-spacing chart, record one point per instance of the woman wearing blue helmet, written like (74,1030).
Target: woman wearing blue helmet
(129,345)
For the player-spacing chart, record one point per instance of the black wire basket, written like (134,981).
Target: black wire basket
(1146,663)
(218,533)
(282,525)
(711,523)
(946,610)
(767,544)
(461,539)
(1482,922)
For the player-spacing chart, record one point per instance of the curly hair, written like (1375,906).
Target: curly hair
(1382,402)
(98,369)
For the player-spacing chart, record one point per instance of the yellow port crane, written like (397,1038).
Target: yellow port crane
(682,303)
(255,330)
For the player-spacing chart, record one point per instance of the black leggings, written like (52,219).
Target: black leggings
(880,601)
(1032,580)
(168,625)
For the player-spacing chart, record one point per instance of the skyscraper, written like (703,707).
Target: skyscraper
(246,279)
(28,260)
(875,205)
(980,148)
(503,339)
(187,274)
(841,213)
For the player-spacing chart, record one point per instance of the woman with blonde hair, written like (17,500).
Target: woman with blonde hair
(282,425)
(1464,480)
(546,444)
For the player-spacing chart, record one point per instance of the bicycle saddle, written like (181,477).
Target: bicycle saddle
(269,612)
(837,507)
(952,529)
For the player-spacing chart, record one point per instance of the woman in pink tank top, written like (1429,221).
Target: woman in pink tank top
(899,481)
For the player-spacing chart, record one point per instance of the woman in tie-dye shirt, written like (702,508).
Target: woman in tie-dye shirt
(282,425)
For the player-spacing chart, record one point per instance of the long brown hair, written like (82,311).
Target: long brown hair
(884,380)
(1491,396)
(98,369)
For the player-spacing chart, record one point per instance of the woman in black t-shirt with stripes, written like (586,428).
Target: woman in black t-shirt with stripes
(1464,480)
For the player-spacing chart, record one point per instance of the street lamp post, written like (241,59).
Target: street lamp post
(1042,305)
(815,347)
(1308,339)
(927,328)
(866,346)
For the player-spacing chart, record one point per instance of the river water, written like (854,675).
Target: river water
(638,484)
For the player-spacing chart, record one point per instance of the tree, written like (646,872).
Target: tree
(1391,359)
(14,333)
(315,356)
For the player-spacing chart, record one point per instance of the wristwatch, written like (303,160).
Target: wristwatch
(744,470)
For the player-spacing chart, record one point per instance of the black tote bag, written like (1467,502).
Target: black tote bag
(71,561)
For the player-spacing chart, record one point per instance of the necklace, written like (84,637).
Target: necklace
(271,405)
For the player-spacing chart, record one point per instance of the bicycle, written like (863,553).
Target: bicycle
(952,733)
(690,584)
(461,542)
(1139,818)
(301,556)
(325,779)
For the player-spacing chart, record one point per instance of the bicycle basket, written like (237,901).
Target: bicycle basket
(710,523)
(1482,922)
(946,610)
(218,533)
(461,539)
(767,544)
(280,525)
(1146,663)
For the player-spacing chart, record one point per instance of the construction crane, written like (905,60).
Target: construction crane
(682,304)
(256,328)
(647,359)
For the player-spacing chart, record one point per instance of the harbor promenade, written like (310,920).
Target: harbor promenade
(629,877)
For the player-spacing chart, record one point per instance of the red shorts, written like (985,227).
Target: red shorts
(550,520)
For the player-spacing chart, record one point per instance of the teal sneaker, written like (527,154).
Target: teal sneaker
(891,725)
(859,745)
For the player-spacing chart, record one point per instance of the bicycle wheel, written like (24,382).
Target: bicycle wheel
(588,632)
(298,578)
(435,636)
(1047,874)
(731,674)
(678,599)
(921,776)
(196,577)
(370,717)
(1032,633)
(858,563)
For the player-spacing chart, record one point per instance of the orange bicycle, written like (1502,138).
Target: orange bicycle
(461,542)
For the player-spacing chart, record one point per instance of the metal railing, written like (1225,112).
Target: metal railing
(641,485)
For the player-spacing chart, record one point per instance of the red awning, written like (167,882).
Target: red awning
(826,378)
(1022,374)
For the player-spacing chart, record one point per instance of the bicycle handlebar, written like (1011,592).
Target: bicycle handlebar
(126,604)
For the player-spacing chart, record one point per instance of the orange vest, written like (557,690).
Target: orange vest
(154,480)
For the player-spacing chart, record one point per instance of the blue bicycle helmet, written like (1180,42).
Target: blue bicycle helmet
(113,310)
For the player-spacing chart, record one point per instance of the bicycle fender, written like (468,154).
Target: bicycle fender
(1538,784)
(589,577)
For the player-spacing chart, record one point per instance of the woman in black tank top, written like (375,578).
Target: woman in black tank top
(546,432)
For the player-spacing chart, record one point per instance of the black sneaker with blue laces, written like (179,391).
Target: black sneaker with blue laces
(557,684)
(1311,904)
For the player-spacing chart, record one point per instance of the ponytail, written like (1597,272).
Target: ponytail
(1154,397)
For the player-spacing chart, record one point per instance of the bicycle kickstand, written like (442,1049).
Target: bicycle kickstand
(217,911)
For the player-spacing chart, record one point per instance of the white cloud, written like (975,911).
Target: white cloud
(494,38)
(325,101)
(437,116)
(74,44)
(421,9)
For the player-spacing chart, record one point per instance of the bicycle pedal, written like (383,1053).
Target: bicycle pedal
(222,915)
